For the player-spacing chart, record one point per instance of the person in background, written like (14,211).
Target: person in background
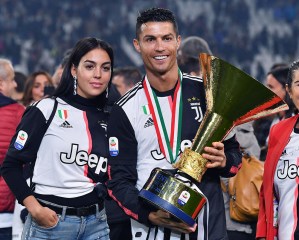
(65,137)
(278,214)
(11,113)
(249,145)
(58,72)
(275,81)
(18,92)
(133,136)
(125,78)
(188,54)
(35,86)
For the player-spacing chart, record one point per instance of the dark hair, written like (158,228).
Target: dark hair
(131,75)
(81,48)
(294,67)
(188,54)
(156,15)
(27,97)
(20,79)
(65,58)
(280,72)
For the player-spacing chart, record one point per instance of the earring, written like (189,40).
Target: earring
(75,85)
(107,92)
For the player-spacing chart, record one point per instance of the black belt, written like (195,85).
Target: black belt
(81,211)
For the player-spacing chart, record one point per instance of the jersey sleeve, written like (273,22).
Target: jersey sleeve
(122,163)
(233,157)
(23,149)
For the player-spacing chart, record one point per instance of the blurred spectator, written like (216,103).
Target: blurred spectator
(11,113)
(35,85)
(20,79)
(262,32)
(58,72)
(188,54)
(275,81)
(125,78)
(249,145)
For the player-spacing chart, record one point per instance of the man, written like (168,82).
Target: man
(188,54)
(18,93)
(11,113)
(169,98)
(125,78)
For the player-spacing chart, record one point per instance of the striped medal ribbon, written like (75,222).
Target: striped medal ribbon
(169,145)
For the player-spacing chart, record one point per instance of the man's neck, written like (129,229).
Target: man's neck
(165,82)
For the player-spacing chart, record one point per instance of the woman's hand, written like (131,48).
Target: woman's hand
(44,216)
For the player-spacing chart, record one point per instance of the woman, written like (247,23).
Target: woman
(34,89)
(278,215)
(70,157)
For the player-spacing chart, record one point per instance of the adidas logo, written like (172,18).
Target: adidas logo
(149,123)
(66,124)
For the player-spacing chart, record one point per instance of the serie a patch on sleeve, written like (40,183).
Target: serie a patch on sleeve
(113,146)
(21,140)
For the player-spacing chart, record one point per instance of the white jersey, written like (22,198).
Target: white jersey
(70,157)
(135,151)
(286,182)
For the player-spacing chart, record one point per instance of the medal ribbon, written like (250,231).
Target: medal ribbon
(170,146)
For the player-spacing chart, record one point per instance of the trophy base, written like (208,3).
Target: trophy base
(166,192)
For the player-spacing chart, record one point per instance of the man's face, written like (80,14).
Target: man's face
(120,84)
(158,45)
(8,85)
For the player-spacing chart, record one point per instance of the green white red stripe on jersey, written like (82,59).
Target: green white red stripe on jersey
(62,114)
(170,145)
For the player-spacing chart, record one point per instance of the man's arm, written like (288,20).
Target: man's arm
(122,166)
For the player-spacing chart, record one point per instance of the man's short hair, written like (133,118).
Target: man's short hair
(156,15)
(188,53)
(131,75)
(192,46)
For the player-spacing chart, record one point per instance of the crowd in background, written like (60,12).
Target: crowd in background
(251,34)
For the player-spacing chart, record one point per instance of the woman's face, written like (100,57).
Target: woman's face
(273,84)
(93,73)
(293,90)
(38,87)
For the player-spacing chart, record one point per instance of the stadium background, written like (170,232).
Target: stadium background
(251,34)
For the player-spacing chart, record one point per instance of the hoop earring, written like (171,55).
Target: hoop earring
(75,85)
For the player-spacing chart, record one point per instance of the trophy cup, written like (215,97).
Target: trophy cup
(233,97)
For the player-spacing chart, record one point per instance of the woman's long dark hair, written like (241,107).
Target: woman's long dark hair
(82,47)
(29,83)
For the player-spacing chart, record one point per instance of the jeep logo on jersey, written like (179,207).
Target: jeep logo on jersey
(82,158)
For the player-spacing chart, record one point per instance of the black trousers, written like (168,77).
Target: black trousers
(120,230)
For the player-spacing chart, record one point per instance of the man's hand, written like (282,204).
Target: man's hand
(215,155)
(163,219)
